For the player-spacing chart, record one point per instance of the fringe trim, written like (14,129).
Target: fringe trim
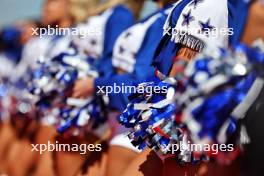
(189,41)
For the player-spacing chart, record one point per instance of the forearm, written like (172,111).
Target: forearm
(185,54)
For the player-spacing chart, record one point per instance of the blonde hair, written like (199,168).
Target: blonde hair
(82,9)
(134,5)
(79,8)
(104,6)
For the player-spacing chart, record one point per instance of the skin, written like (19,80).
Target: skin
(96,167)
(70,163)
(45,161)
(146,164)
(256,18)
(135,6)
(57,12)
(118,159)
(7,137)
(21,148)
(83,88)
(65,166)
(20,166)
(26,29)
(170,166)
(14,148)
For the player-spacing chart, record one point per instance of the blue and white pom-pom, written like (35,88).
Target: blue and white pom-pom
(150,114)
(52,83)
(219,93)
(90,113)
(217,86)
(57,75)
(220,88)
(15,102)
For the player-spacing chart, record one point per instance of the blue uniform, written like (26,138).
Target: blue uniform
(120,19)
(97,36)
(194,17)
(133,53)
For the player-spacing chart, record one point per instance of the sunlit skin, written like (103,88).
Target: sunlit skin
(83,88)
(7,137)
(57,12)
(255,18)
(26,28)
(145,164)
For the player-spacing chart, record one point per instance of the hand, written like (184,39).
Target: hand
(83,88)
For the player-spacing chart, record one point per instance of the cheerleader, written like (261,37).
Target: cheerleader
(132,54)
(251,21)
(186,46)
(13,38)
(64,160)
(98,48)
(171,48)
(56,13)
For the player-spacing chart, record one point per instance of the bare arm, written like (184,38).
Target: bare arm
(185,54)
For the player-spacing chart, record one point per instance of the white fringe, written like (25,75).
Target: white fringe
(189,41)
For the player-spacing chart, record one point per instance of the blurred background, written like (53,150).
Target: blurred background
(15,10)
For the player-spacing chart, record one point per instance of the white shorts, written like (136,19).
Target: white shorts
(119,133)
(122,140)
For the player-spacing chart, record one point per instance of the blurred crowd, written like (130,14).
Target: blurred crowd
(54,89)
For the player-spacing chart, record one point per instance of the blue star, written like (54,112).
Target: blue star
(196,2)
(187,18)
(206,26)
(93,42)
(121,50)
(127,34)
